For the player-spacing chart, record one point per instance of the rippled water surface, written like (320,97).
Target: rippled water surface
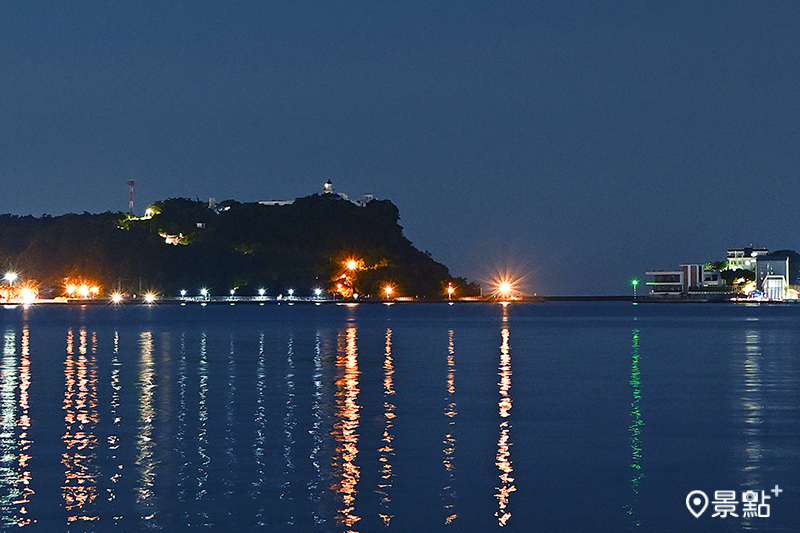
(410,417)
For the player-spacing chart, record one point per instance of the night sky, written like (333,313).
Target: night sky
(576,143)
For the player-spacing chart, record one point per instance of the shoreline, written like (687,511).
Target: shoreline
(263,300)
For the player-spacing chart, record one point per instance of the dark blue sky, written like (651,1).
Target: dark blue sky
(578,143)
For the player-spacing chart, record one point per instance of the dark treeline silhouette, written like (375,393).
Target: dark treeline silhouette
(246,246)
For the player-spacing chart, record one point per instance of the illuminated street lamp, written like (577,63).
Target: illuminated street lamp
(504,289)
(291,292)
(634,283)
(450,290)
(183,293)
(261,292)
(204,293)
(10,277)
(317,292)
(388,290)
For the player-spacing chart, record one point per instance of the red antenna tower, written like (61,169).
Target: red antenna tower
(131,183)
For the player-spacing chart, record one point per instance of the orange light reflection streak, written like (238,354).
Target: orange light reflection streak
(346,471)
(80,417)
(387,450)
(449,439)
(503,444)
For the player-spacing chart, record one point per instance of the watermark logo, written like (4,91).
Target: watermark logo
(754,504)
(697,502)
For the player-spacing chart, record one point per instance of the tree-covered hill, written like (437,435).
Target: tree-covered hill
(245,246)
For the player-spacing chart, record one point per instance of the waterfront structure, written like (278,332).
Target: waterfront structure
(677,282)
(772,276)
(744,258)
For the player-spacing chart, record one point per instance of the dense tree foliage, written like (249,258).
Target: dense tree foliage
(244,245)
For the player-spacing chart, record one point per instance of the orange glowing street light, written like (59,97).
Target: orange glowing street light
(450,290)
(352,264)
(388,290)
(506,287)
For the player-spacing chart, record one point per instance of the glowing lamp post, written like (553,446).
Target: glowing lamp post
(387,290)
(634,283)
(10,277)
(504,289)
(450,291)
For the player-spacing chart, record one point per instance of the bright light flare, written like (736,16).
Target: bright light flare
(28,295)
(450,290)
(116,298)
(506,287)
(84,291)
(149,297)
(353,264)
(11,277)
(388,290)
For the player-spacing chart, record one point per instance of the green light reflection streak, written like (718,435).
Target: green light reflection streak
(635,430)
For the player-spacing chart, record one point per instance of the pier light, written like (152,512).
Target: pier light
(352,264)
(634,283)
(149,297)
(290,292)
(11,277)
(504,289)
(450,290)
(233,291)
(506,286)
(388,290)
(116,298)
(84,291)
(261,292)
(317,292)
(183,293)
(28,295)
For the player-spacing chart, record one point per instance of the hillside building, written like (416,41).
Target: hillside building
(744,258)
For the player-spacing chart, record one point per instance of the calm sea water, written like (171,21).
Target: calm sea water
(470,417)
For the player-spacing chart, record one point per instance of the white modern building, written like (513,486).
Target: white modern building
(744,258)
(772,276)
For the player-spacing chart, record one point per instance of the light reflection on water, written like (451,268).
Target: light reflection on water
(503,459)
(145,460)
(345,468)
(636,426)
(449,452)
(81,474)
(15,475)
(386,451)
(355,423)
